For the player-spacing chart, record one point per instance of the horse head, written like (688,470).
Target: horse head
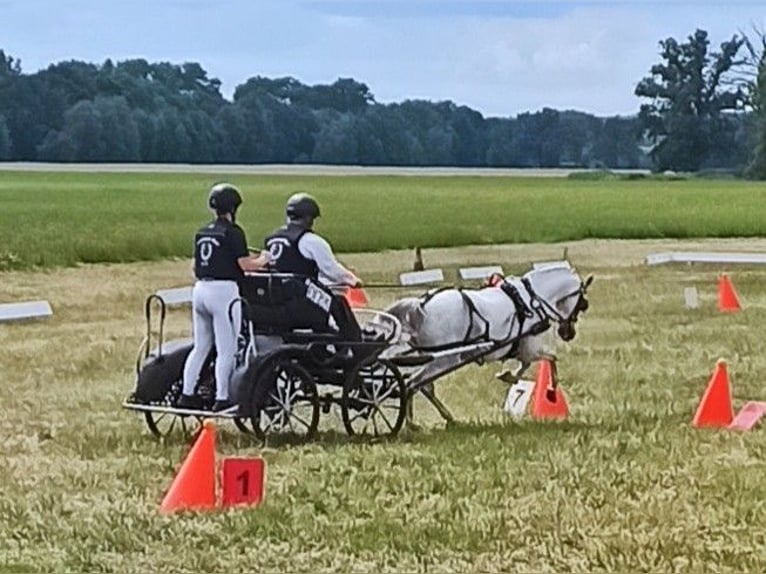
(560,294)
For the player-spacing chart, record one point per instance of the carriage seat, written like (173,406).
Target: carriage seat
(277,304)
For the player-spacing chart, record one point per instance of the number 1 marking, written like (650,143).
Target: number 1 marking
(244,478)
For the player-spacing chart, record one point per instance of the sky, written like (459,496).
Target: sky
(499,57)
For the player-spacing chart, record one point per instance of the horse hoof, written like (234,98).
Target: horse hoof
(414,427)
(506,376)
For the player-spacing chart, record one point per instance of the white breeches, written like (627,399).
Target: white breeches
(211,325)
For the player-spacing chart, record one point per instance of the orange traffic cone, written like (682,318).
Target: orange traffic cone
(548,400)
(727,297)
(356,297)
(193,487)
(715,408)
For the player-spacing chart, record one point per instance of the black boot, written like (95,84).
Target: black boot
(189,402)
(222,405)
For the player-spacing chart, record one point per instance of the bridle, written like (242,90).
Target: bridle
(551,312)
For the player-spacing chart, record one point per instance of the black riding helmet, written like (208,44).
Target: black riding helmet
(224,198)
(302,205)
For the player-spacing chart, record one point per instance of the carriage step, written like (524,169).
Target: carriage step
(231,414)
(411,360)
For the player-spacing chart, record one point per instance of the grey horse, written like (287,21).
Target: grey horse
(514,315)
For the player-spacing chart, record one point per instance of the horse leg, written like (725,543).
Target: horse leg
(506,376)
(408,414)
(430,394)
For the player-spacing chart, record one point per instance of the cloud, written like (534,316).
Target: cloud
(499,57)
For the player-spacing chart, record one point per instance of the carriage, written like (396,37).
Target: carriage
(286,374)
(289,372)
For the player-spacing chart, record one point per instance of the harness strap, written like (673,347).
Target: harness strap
(474,312)
(522,313)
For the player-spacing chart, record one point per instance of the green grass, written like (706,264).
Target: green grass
(625,485)
(55,219)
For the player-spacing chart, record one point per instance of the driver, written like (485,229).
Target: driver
(296,248)
(220,258)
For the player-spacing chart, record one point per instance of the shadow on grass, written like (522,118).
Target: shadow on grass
(230,438)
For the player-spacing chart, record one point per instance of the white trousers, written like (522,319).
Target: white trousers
(212,326)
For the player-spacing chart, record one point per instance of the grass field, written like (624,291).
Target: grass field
(52,219)
(625,485)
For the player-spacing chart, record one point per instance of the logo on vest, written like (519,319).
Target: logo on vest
(206,247)
(277,246)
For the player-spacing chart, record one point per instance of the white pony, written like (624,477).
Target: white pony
(512,314)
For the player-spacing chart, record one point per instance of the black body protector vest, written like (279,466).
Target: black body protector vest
(214,256)
(285,255)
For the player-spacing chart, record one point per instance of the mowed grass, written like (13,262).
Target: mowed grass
(626,484)
(54,219)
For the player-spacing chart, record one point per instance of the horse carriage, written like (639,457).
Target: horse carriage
(289,371)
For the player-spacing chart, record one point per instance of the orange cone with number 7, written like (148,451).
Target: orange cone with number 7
(548,400)
(193,488)
(715,408)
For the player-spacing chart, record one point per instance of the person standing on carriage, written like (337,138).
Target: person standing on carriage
(296,248)
(220,259)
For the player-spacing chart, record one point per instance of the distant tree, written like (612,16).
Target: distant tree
(538,138)
(501,148)
(336,142)
(10,67)
(616,145)
(690,94)
(756,167)
(5,140)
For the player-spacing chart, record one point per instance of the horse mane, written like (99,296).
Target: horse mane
(409,311)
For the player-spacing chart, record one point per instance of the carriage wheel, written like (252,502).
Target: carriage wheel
(163,424)
(289,406)
(374,399)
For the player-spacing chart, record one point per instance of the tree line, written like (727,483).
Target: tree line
(703,111)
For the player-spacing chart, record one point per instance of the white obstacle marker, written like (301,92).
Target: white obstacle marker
(691,298)
(480,272)
(518,396)
(700,257)
(551,265)
(178,296)
(25,310)
(421,277)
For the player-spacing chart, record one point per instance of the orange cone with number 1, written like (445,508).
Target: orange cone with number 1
(193,488)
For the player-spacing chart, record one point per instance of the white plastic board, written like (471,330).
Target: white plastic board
(25,310)
(691,298)
(420,277)
(695,257)
(551,264)
(480,272)
(178,296)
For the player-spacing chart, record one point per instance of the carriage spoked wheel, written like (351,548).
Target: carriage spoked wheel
(374,400)
(285,401)
(163,425)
